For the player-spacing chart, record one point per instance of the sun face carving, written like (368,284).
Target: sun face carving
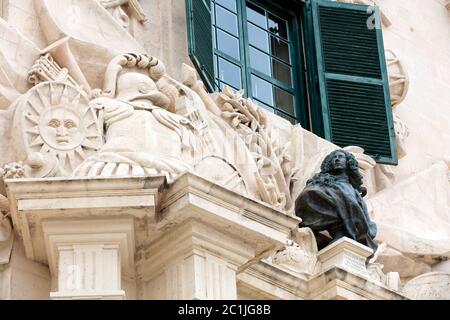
(60,121)
(61,128)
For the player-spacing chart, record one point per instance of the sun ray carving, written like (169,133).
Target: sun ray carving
(59,120)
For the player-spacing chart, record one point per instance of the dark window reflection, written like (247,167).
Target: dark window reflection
(278,26)
(280,49)
(282,72)
(284,101)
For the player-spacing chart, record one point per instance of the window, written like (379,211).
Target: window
(315,62)
(255,48)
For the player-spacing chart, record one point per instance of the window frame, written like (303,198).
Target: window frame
(292,13)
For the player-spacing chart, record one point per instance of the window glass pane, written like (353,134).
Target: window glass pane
(229,73)
(256,15)
(228,44)
(277,26)
(282,72)
(258,37)
(280,49)
(260,61)
(284,101)
(226,20)
(262,90)
(229,4)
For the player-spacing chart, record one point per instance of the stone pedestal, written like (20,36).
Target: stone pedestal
(87,257)
(346,254)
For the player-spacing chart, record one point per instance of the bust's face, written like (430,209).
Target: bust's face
(339,161)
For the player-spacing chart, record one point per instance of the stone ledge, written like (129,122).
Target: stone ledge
(193,197)
(106,295)
(339,284)
(35,200)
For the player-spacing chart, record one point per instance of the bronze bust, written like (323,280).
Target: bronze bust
(333,201)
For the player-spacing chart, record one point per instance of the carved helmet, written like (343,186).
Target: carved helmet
(133,85)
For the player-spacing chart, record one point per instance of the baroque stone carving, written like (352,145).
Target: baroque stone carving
(300,255)
(375,270)
(332,201)
(46,69)
(6,234)
(398,78)
(56,120)
(13,170)
(249,121)
(118,9)
(429,286)
(401,135)
(133,106)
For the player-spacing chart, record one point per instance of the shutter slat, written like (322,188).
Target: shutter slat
(200,39)
(356,111)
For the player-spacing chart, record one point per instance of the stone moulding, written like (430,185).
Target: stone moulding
(34,200)
(197,189)
(266,280)
(60,219)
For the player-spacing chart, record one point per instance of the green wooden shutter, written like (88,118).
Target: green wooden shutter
(200,38)
(354,100)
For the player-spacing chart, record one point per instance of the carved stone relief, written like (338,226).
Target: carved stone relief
(429,286)
(46,69)
(56,120)
(123,10)
(133,106)
(398,78)
(249,121)
(299,255)
(12,170)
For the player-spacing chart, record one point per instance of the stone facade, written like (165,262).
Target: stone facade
(123,178)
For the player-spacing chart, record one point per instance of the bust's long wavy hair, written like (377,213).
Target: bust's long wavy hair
(326,177)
